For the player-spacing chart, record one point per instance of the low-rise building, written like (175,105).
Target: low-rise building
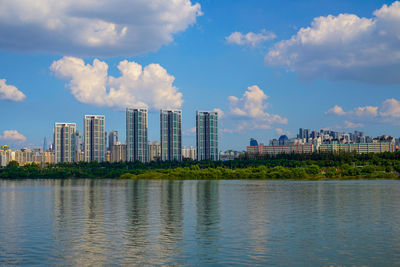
(261,149)
(377,147)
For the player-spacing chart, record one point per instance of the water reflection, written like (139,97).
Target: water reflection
(207,225)
(111,222)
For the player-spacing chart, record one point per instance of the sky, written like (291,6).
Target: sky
(268,67)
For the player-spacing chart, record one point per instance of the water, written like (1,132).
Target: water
(192,223)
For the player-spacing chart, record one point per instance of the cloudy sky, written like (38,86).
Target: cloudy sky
(268,67)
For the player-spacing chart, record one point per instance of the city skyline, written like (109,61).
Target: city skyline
(239,62)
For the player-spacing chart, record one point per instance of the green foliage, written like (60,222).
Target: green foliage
(292,166)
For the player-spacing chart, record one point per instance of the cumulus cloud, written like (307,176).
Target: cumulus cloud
(150,86)
(250,39)
(249,111)
(387,112)
(390,108)
(12,136)
(367,111)
(10,92)
(352,125)
(345,47)
(220,112)
(336,110)
(96,28)
(252,105)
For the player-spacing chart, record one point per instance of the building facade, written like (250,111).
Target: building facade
(171,134)
(207,135)
(118,153)
(154,151)
(189,153)
(261,149)
(112,139)
(94,138)
(64,142)
(136,135)
(360,148)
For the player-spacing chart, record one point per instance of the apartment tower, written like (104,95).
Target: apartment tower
(136,135)
(64,142)
(94,138)
(207,135)
(171,134)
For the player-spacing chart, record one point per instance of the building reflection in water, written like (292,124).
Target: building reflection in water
(137,239)
(171,220)
(208,220)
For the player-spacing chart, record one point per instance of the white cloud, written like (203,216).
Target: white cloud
(390,108)
(252,105)
(190,132)
(10,92)
(352,125)
(345,47)
(250,39)
(220,112)
(367,111)
(249,112)
(96,28)
(12,136)
(138,86)
(336,110)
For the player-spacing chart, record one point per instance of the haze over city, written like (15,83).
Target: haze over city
(268,67)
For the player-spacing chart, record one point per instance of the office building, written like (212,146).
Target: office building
(136,135)
(112,139)
(94,138)
(207,135)
(171,134)
(64,142)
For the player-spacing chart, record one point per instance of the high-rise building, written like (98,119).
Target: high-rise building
(79,154)
(253,142)
(45,146)
(136,135)
(64,142)
(171,134)
(112,139)
(94,138)
(207,135)
(118,152)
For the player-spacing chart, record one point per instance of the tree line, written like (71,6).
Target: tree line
(283,166)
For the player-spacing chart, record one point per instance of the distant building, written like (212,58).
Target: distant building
(360,148)
(94,138)
(154,151)
(253,142)
(118,152)
(261,149)
(171,134)
(112,139)
(136,135)
(45,146)
(64,142)
(189,153)
(207,135)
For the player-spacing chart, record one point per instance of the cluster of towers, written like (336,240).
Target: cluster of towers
(66,143)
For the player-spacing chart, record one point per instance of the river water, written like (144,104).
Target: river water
(193,223)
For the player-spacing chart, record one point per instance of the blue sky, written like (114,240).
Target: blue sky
(341,71)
